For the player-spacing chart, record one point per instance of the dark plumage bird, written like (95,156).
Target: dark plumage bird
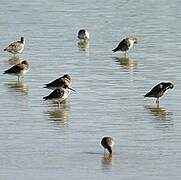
(59,94)
(125,45)
(60,82)
(83,34)
(16,47)
(18,69)
(159,90)
(107,143)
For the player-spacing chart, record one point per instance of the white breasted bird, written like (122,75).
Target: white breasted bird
(16,47)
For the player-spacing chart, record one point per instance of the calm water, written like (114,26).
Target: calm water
(41,142)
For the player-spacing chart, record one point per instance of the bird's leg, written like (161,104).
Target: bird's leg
(125,54)
(157,101)
(58,104)
(18,78)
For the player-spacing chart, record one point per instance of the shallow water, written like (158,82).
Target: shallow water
(40,141)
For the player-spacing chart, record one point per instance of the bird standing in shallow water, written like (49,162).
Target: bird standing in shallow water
(125,45)
(59,94)
(18,69)
(16,47)
(107,143)
(83,34)
(60,82)
(159,90)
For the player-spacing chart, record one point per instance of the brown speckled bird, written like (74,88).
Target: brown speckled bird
(16,47)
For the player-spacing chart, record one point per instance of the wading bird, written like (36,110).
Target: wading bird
(159,90)
(125,45)
(16,47)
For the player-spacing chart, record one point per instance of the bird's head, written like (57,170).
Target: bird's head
(170,85)
(67,87)
(83,34)
(166,85)
(24,62)
(66,76)
(133,39)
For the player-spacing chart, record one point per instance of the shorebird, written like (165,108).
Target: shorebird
(83,35)
(125,45)
(59,94)
(60,82)
(18,69)
(159,90)
(107,143)
(16,47)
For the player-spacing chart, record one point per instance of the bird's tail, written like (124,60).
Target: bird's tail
(5,72)
(115,49)
(146,95)
(45,98)
(46,86)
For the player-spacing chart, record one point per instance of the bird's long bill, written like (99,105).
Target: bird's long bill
(72,89)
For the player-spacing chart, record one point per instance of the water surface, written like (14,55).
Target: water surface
(40,141)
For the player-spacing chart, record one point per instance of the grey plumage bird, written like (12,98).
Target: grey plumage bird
(18,69)
(83,34)
(107,143)
(125,45)
(159,90)
(16,47)
(60,82)
(59,94)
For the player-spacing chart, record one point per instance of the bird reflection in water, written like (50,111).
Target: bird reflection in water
(14,60)
(59,116)
(126,63)
(18,87)
(159,112)
(107,161)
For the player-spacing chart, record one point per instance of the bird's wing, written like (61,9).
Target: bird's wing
(155,91)
(125,42)
(15,69)
(56,83)
(57,93)
(123,45)
(15,46)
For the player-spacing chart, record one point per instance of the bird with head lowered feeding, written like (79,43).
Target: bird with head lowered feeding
(159,90)
(19,69)
(83,35)
(125,45)
(107,143)
(16,47)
